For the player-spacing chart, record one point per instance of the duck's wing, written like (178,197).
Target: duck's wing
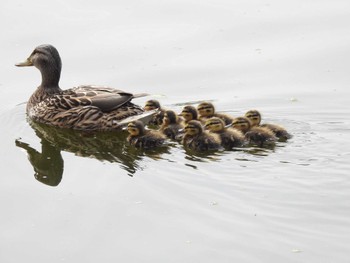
(104,98)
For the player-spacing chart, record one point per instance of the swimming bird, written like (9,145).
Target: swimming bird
(254,135)
(155,105)
(142,138)
(90,108)
(189,113)
(229,136)
(172,125)
(206,110)
(255,118)
(197,139)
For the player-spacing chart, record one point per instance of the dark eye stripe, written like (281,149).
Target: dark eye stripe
(239,122)
(204,108)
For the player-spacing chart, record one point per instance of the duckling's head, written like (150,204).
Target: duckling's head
(206,109)
(254,116)
(170,117)
(215,124)
(241,123)
(189,113)
(47,59)
(136,128)
(193,128)
(152,105)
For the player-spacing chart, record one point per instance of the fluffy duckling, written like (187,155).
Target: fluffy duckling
(172,125)
(254,135)
(189,113)
(230,137)
(88,108)
(197,139)
(206,110)
(142,138)
(155,105)
(255,118)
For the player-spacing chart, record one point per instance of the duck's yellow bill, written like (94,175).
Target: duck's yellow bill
(26,63)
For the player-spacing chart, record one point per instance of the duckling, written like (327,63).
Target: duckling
(197,139)
(207,110)
(189,113)
(254,135)
(172,125)
(90,108)
(280,132)
(142,138)
(155,105)
(230,137)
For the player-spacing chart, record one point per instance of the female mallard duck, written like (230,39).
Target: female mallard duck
(255,118)
(197,139)
(155,105)
(207,110)
(172,125)
(80,108)
(142,138)
(230,137)
(189,113)
(254,135)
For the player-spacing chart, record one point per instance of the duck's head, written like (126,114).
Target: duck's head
(136,128)
(254,116)
(47,59)
(215,124)
(170,117)
(206,109)
(241,123)
(193,128)
(189,113)
(152,105)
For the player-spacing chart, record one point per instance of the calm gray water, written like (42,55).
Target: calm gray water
(104,201)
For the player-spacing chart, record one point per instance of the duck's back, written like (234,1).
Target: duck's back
(84,108)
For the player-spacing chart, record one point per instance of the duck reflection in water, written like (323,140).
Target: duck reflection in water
(47,164)
(103,146)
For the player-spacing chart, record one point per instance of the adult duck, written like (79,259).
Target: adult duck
(88,108)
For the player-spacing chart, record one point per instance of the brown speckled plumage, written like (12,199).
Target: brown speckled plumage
(81,108)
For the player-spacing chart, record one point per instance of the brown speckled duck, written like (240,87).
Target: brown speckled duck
(255,118)
(142,138)
(206,110)
(172,125)
(229,136)
(90,108)
(254,135)
(155,105)
(197,139)
(189,113)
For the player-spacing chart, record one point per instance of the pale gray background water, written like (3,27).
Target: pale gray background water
(289,59)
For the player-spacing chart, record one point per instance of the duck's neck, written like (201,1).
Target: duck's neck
(49,85)
(50,76)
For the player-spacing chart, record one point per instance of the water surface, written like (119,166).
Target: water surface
(70,197)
